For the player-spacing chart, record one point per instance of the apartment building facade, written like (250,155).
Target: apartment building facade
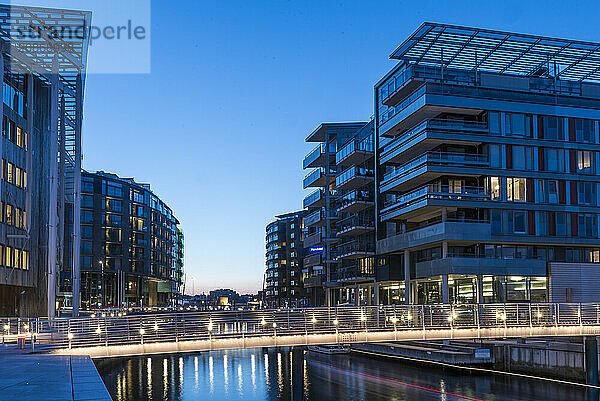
(42,95)
(487,159)
(284,262)
(321,240)
(131,245)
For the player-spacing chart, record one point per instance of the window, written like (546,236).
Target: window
(515,124)
(553,128)
(516,189)
(86,232)
(554,159)
(495,156)
(584,130)
(587,225)
(87,201)
(494,122)
(520,219)
(552,191)
(561,224)
(87,185)
(522,158)
(9,215)
(586,193)
(10,174)
(495,188)
(584,161)
(87,216)
(541,223)
(496,221)
(455,186)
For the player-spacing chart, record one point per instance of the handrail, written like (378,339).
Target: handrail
(67,333)
(435,191)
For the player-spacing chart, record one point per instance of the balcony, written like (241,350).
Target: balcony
(430,196)
(355,250)
(355,274)
(354,177)
(356,201)
(319,178)
(430,166)
(355,152)
(431,133)
(315,259)
(448,231)
(317,218)
(317,198)
(312,240)
(313,281)
(355,225)
(318,156)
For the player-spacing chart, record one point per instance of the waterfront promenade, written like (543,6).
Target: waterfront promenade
(42,377)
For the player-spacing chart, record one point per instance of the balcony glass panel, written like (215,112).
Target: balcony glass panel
(438,157)
(365,145)
(436,191)
(354,172)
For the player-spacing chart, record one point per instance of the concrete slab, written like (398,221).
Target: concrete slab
(40,377)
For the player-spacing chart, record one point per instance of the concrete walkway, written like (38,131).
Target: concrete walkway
(41,377)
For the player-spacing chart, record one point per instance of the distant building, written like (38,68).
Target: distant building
(131,245)
(284,261)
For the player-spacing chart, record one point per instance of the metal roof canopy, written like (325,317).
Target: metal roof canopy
(31,37)
(501,52)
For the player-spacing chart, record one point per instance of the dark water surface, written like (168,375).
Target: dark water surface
(268,375)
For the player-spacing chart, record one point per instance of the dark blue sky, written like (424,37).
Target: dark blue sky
(218,126)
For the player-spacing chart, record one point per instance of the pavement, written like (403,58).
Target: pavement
(43,377)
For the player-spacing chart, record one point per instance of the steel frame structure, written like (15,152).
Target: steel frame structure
(500,52)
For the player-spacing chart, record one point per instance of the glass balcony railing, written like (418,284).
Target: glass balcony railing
(461,159)
(354,221)
(316,174)
(317,195)
(314,154)
(365,145)
(435,191)
(358,195)
(355,247)
(355,272)
(442,124)
(353,172)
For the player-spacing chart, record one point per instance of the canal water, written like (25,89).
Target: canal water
(268,375)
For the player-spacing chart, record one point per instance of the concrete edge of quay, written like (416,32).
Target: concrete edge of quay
(45,377)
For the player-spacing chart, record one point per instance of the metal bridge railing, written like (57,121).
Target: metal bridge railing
(61,333)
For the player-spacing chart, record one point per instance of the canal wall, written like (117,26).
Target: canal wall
(562,358)
(557,359)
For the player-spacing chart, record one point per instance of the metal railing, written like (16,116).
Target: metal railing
(434,191)
(65,333)
(449,158)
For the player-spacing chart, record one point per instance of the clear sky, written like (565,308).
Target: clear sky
(218,126)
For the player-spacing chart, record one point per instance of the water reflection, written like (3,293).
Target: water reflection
(233,375)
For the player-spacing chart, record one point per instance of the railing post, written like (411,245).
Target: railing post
(423,320)
(580,319)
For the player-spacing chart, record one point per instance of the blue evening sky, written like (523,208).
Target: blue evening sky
(218,126)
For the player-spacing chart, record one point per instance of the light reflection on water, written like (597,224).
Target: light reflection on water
(232,375)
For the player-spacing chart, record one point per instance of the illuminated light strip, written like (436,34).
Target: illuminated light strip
(400,382)
(478,369)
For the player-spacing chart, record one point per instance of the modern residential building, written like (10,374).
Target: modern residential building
(284,261)
(487,159)
(131,245)
(355,207)
(42,71)
(321,263)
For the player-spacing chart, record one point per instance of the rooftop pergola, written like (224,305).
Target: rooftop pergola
(32,37)
(501,52)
